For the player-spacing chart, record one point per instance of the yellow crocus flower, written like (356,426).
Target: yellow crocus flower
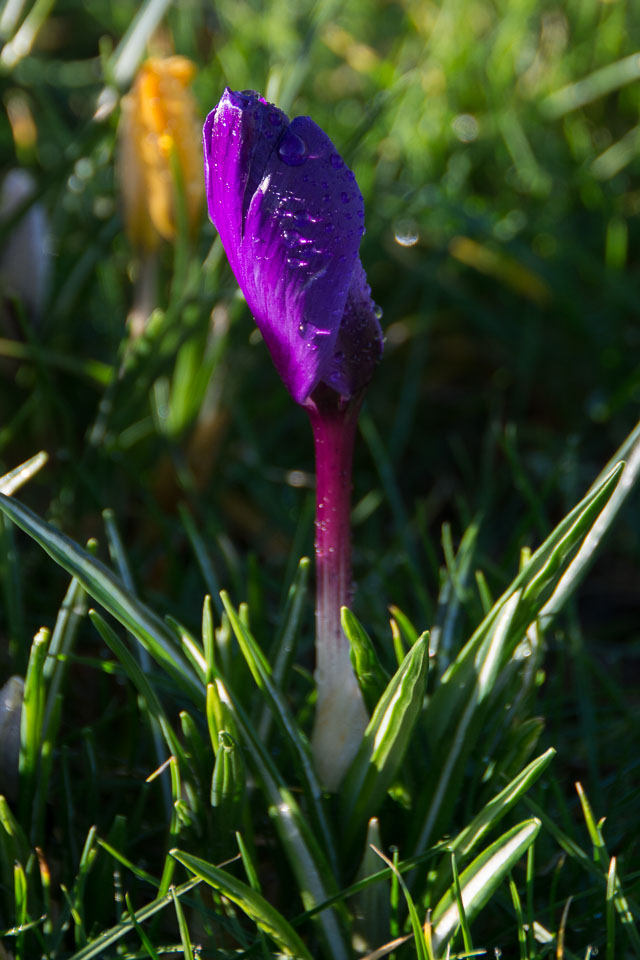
(159,143)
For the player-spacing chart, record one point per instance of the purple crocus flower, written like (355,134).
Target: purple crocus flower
(291,217)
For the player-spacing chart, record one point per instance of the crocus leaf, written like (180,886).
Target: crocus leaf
(267,918)
(108,590)
(481,879)
(291,217)
(386,738)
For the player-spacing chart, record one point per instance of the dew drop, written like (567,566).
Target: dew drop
(329,227)
(344,196)
(406,233)
(301,217)
(292,149)
(378,312)
(274,119)
(336,161)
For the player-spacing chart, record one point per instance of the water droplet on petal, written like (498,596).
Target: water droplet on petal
(377,312)
(274,119)
(336,161)
(344,196)
(292,149)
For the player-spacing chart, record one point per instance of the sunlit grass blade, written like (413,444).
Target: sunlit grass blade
(422,946)
(295,739)
(481,879)
(109,591)
(316,881)
(32,719)
(579,565)
(538,578)
(452,593)
(500,805)
(487,663)
(385,740)
(266,917)
(610,909)
(141,683)
(371,676)
(144,937)
(105,940)
(282,654)
(14,479)
(185,939)
(601,859)
(370,906)
(228,784)
(462,914)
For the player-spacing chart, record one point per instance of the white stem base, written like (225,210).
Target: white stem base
(340,721)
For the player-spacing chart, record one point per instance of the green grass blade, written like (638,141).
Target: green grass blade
(295,739)
(481,879)
(422,948)
(103,941)
(500,805)
(14,479)
(538,578)
(385,740)
(252,903)
(371,676)
(182,926)
(486,667)
(141,682)
(109,591)
(316,881)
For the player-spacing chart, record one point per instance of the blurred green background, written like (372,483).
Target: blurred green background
(497,145)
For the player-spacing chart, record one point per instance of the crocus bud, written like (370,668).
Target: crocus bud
(291,217)
(159,142)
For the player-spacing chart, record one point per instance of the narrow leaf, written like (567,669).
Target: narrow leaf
(266,917)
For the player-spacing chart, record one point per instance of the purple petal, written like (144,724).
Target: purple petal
(290,216)
(359,343)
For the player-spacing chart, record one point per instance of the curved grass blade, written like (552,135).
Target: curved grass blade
(140,681)
(103,941)
(109,592)
(486,666)
(385,739)
(296,740)
(266,917)
(537,579)
(500,805)
(285,644)
(371,676)
(481,879)
(14,479)
(316,882)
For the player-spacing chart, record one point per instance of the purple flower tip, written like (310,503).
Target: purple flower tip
(291,217)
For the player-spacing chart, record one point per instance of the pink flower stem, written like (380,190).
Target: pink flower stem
(340,714)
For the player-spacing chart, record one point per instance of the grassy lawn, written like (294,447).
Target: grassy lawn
(160,793)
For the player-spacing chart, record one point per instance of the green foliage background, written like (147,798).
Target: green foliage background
(497,145)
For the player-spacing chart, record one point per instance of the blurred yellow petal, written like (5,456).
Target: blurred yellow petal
(501,266)
(160,151)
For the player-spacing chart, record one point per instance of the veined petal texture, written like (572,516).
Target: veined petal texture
(291,217)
